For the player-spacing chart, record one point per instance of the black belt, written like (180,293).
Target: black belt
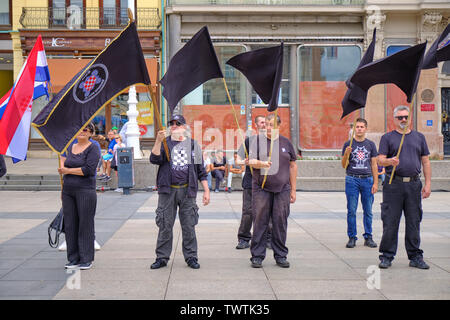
(404,179)
(359,175)
(178,186)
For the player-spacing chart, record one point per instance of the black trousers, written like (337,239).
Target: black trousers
(79,207)
(165,219)
(219,175)
(244,232)
(401,197)
(266,206)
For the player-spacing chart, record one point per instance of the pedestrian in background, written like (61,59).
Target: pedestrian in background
(2,166)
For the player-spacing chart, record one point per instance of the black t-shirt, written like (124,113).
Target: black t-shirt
(278,176)
(360,159)
(87,161)
(247,180)
(179,160)
(414,147)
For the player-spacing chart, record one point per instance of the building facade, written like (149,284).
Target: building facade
(73,33)
(324,41)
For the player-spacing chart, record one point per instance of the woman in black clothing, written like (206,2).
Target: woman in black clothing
(79,199)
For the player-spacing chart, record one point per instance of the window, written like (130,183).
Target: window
(323,71)
(114,13)
(394,95)
(5,12)
(68,13)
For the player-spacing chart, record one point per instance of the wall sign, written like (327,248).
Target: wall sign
(427,107)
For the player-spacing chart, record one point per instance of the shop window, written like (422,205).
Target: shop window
(323,71)
(394,95)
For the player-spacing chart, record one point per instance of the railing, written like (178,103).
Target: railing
(74,18)
(267,2)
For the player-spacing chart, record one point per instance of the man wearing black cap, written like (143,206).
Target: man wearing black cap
(177,183)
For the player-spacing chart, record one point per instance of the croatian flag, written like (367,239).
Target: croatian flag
(15,106)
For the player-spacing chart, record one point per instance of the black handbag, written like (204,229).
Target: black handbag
(57,225)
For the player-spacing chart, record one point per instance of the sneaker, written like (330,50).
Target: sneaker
(85,266)
(243,244)
(419,263)
(384,263)
(97,245)
(118,190)
(159,263)
(72,265)
(351,243)
(107,178)
(192,263)
(282,262)
(63,246)
(370,243)
(216,191)
(102,176)
(256,262)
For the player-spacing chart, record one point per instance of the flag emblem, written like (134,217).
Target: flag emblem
(90,85)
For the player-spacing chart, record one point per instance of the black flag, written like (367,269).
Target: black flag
(120,65)
(191,66)
(402,68)
(439,50)
(263,68)
(355,97)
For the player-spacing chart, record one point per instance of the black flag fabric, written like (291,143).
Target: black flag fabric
(191,66)
(402,68)
(355,97)
(263,68)
(120,65)
(439,50)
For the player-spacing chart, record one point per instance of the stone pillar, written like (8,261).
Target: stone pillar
(293,97)
(133,133)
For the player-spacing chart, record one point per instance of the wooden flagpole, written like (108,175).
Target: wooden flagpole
(275,122)
(237,121)
(351,140)
(411,109)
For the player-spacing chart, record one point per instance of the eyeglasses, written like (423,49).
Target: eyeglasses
(177,123)
(401,117)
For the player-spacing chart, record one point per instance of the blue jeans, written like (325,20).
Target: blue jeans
(354,187)
(209,179)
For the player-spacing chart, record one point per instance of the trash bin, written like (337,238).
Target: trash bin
(125,169)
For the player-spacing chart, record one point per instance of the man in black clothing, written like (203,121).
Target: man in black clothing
(2,166)
(272,201)
(244,234)
(177,182)
(406,192)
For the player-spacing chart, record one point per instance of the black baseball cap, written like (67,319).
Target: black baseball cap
(177,117)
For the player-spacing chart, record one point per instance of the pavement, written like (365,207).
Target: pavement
(321,267)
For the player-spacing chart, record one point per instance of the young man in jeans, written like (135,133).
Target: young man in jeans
(362,178)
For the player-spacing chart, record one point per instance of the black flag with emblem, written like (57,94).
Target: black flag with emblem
(120,65)
(439,50)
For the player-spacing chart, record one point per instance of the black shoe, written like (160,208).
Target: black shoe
(159,263)
(243,244)
(351,243)
(72,265)
(256,262)
(192,263)
(418,263)
(384,263)
(370,243)
(282,262)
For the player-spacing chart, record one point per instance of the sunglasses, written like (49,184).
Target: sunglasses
(177,123)
(87,130)
(401,117)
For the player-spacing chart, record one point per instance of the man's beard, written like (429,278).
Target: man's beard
(403,125)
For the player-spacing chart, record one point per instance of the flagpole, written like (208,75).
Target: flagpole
(158,117)
(403,137)
(351,141)
(237,121)
(275,123)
